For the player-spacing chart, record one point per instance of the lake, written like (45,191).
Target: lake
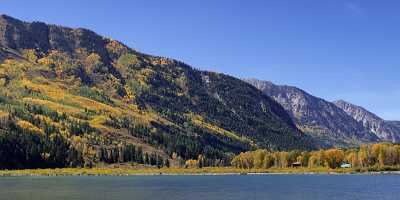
(232,187)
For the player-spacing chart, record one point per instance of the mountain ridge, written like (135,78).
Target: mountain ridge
(322,119)
(385,131)
(99,97)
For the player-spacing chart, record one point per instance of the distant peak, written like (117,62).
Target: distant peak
(254,80)
(8,18)
(341,101)
(349,107)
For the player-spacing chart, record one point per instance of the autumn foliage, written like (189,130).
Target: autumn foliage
(371,155)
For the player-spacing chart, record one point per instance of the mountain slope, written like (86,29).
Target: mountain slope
(106,102)
(394,124)
(386,131)
(322,119)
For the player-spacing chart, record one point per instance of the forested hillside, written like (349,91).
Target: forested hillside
(72,98)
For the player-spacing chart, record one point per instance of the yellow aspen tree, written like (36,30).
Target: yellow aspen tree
(363,156)
(381,158)
(259,158)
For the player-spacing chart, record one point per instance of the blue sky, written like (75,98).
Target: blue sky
(335,49)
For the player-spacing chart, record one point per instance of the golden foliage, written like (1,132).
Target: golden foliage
(25,125)
(334,157)
(192,164)
(143,75)
(48,120)
(58,93)
(54,106)
(162,61)
(46,62)
(243,160)
(30,54)
(98,121)
(3,117)
(116,47)
(92,62)
(378,156)
(3,113)
(13,69)
(199,121)
(130,96)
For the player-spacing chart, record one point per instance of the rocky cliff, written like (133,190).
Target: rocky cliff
(320,118)
(386,131)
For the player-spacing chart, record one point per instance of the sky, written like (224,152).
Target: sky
(334,49)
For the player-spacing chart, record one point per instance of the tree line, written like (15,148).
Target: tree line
(367,155)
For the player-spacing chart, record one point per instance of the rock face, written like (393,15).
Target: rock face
(322,119)
(386,131)
(17,34)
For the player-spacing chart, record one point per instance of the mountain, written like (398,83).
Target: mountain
(386,131)
(321,119)
(70,97)
(394,124)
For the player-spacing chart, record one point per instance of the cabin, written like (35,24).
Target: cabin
(296,164)
(345,165)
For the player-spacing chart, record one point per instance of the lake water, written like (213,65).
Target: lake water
(235,187)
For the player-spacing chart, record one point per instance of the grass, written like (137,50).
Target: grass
(184,171)
(54,106)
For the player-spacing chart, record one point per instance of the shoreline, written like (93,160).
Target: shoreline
(184,172)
